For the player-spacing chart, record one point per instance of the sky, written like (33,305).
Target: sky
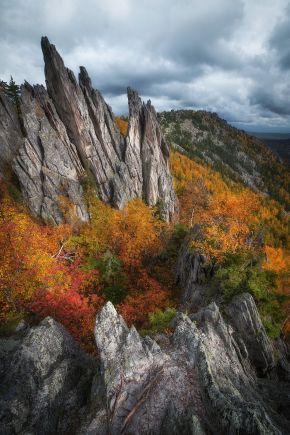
(227,56)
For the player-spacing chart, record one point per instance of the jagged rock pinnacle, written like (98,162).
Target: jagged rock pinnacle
(70,131)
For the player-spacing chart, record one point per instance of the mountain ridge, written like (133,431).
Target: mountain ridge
(209,139)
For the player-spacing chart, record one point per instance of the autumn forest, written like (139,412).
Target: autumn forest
(127,256)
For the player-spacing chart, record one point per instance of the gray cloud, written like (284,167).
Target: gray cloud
(227,56)
(280,41)
(274,103)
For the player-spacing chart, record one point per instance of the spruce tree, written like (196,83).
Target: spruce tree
(13,91)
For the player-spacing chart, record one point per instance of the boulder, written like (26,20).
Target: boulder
(45,381)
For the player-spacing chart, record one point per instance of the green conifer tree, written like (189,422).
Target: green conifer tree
(13,91)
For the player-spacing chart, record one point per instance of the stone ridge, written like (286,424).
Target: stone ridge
(123,169)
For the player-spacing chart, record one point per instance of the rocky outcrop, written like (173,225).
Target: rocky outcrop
(244,376)
(47,164)
(192,273)
(147,390)
(198,383)
(231,395)
(88,120)
(45,381)
(69,134)
(148,153)
(10,135)
(250,332)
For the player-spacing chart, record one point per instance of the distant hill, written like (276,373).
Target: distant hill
(276,136)
(207,138)
(278,143)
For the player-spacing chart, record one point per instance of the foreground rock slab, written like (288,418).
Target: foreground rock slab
(199,384)
(45,380)
(203,380)
(148,391)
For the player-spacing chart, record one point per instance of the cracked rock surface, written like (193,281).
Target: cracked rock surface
(47,164)
(10,135)
(45,380)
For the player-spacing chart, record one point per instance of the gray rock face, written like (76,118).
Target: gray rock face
(45,381)
(246,389)
(47,164)
(231,396)
(148,153)
(10,135)
(147,390)
(199,384)
(123,169)
(283,365)
(192,272)
(88,121)
(250,332)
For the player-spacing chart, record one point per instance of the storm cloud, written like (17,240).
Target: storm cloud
(231,57)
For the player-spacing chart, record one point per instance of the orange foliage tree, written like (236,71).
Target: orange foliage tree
(226,211)
(232,219)
(122,125)
(35,275)
(131,236)
(70,270)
